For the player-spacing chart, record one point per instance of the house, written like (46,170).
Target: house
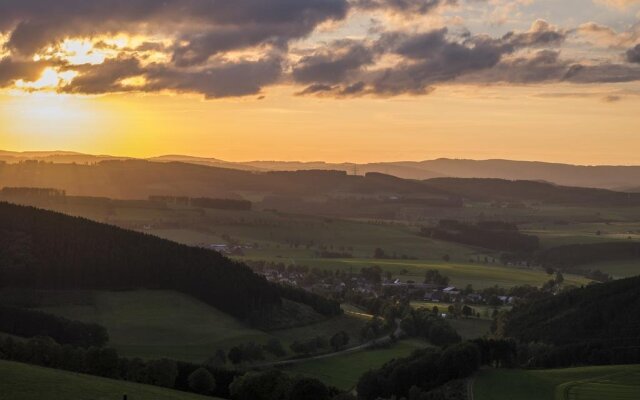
(451,290)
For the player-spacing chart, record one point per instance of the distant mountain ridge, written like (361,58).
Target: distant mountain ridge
(615,177)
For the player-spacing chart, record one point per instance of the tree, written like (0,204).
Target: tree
(379,253)
(162,372)
(268,385)
(235,355)
(201,381)
(339,340)
(433,276)
(218,360)
(274,346)
(309,389)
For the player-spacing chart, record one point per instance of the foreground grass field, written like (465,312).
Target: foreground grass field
(344,371)
(587,383)
(26,382)
(155,323)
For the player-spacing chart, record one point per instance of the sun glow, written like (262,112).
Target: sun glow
(49,80)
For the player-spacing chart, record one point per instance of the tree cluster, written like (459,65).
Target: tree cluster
(426,370)
(490,235)
(30,323)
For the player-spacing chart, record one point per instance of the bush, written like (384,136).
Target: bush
(201,381)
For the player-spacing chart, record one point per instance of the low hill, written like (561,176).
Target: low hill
(616,177)
(46,250)
(136,179)
(607,314)
(505,190)
(27,382)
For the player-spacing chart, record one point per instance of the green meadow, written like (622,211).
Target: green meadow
(156,323)
(344,371)
(586,383)
(27,382)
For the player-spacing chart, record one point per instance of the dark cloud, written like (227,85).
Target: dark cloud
(104,78)
(633,55)
(334,63)
(436,56)
(540,34)
(602,73)
(403,6)
(206,26)
(12,70)
(226,79)
(543,66)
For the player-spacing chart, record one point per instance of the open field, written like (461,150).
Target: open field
(471,328)
(618,269)
(26,382)
(587,383)
(582,233)
(153,324)
(343,372)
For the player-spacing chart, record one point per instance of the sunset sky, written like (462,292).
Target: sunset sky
(334,80)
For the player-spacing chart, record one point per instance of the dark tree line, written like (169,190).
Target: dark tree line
(491,235)
(320,304)
(46,250)
(424,323)
(574,255)
(30,323)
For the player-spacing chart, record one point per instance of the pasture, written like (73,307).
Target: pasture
(586,383)
(27,382)
(153,324)
(344,371)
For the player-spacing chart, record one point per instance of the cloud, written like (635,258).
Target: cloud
(419,7)
(604,36)
(12,70)
(104,78)
(633,54)
(205,26)
(619,4)
(436,56)
(333,63)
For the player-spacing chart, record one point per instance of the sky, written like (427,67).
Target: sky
(332,80)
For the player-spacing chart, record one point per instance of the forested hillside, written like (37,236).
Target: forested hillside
(46,250)
(605,314)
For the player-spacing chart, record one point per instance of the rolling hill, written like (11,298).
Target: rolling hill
(46,250)
(606,313)
(615,177)
(136,179)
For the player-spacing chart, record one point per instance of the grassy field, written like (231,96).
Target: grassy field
(471,328)
(153,324)
(587,383)
(577,233)
(26,382)
(344,371)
